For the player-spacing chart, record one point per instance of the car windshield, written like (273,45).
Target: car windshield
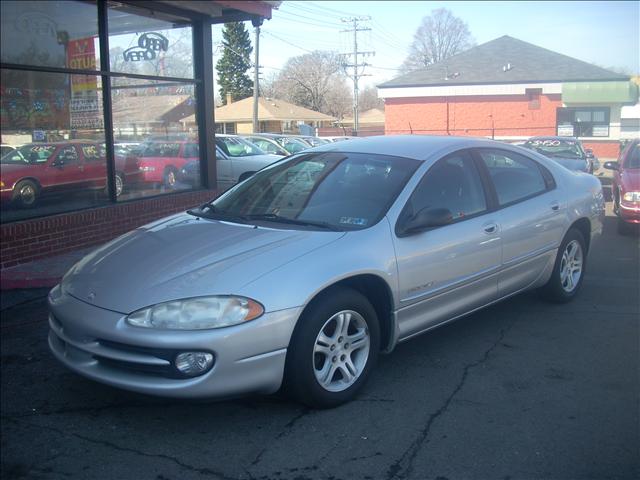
(292,145)
(237,147)
(339,191)
(556,147)
(29,154)
(634,158)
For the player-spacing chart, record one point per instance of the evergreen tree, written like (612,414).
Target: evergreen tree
(234,63)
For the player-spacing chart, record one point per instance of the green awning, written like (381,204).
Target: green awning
(599,92)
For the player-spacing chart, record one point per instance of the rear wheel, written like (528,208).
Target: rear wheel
(170,177)
(25,194)
(568,270)
(333,349)
(119,184)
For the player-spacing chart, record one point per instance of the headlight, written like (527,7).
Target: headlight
(197,313)
(631,197)
(1,184)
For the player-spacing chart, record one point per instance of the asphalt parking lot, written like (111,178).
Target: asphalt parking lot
(521,390)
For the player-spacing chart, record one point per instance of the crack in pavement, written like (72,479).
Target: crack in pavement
(396,470)
(285,431)
(105,443)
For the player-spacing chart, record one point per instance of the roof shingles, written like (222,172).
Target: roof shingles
(485,64)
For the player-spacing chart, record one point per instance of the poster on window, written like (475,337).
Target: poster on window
(600,131)
(565,130)
(84,107)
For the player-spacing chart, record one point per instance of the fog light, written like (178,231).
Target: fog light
(193,364)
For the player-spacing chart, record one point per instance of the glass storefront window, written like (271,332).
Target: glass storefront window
(154,122)
(53,143)
(61,34)
(149,44)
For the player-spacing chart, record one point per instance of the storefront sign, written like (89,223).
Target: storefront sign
(565,130)
(600,131)
(84,107)
(148,45)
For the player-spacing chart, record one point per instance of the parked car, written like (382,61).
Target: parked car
(161,160)
(289,143)
(238,159)
(5,149)
(302,274)
(338,139)
(38,169)
(625,186)
(267,145)
(567,151)
(312,141)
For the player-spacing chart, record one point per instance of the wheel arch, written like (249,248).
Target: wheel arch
(583,225)
(377,291)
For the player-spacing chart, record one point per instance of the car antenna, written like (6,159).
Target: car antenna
(410,129)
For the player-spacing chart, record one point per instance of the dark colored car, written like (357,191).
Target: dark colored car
(38,169)
(567,151)
(161,160)
(625,186)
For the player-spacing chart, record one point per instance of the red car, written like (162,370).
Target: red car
(39,169)
(626,186)
(160,161)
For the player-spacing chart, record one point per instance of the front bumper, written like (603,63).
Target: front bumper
(100,345)
(629,213)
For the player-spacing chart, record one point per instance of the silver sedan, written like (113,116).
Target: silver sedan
(301,275)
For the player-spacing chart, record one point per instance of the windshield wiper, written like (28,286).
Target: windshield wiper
(272,217)
(209,211)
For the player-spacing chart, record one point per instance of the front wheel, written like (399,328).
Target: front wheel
(170,177)
(25,194)
(333,349)
(568,270)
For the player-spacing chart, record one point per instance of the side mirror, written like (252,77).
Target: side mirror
(611,165)
(426,218)
(589,153)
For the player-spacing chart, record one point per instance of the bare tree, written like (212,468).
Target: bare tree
(439,36)
(369,99)
(313,80)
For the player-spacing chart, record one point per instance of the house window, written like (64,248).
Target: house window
(583,122)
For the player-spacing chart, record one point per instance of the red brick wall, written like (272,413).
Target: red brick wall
(604,149)
(29,240)
(473,115)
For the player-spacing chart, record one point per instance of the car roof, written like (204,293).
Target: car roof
(553,137)
(418,147)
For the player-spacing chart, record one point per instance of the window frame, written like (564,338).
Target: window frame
(545,173)
(573,110)
(468,152)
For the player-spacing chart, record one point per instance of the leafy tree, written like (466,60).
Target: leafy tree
(234,63)
(368,99)
(439,36)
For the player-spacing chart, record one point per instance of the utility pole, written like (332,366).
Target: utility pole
(356,65)
(256,22)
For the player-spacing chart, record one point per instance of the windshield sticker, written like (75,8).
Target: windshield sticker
(361,222)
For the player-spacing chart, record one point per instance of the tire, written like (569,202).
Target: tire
(323,369)
(119,184)
(616,204)
(26,194)
(170,177)
(568,270)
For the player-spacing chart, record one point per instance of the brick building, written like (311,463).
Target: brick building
(510,90)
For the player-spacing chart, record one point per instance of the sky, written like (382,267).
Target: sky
(605,33)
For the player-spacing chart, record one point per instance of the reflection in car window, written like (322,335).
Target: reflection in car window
(91,152)
(514,176)
(191,150)
(452,183)
(556,147)
(67,155)
(344,190)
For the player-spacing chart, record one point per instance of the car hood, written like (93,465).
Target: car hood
(630,180)
(184,256)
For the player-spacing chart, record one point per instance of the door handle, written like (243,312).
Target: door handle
(490,228)
(555,206)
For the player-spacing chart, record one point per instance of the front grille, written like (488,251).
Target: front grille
(167,371)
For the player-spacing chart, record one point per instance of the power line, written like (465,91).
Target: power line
(288,43)
(339,12)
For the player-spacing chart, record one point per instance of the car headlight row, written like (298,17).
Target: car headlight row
(197,313)
(631,197)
